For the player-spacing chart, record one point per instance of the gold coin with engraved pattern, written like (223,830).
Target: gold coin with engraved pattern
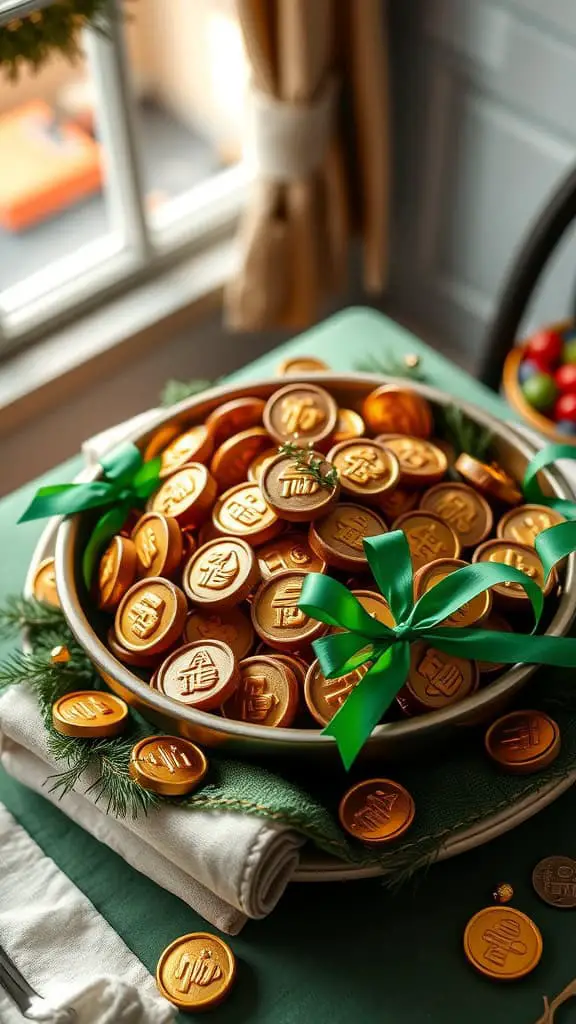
(201,675)
(519,556)
(267,693)
(523,742)
(242,512)
(257,466)
(231,626)
(196,971)
(221,573)
(168,765)
(367,470)
(289,551)
(395,503)
(116,572)
(421,462)
(234,416)
(337,538)
(160,440)
(276,616)
(151,616)
(428,536)
(376,811)
(294,492)
(436,680)
(89,714)
(390,408)
(301,412)
(348,425)
(324,697)
(232,460)
(44,583)
(187,495)
(470,613)
(195,445)
(491,479)
(159,544)
(554,879)
(523,523)
(292,661)
(502,943)
(463,508)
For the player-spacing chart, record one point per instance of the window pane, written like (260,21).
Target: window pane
(51,178)
(189,75)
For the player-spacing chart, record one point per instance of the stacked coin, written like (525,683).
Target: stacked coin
(204,586)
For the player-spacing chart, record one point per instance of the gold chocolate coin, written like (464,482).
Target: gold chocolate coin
(116,572)
(151,616)
(337,538)
(168,765)
(266,695)
(523,742)
(519,556)
(491,480)
(367,469)
(276,616)
(472,611)
(289,551)
(44,585)
(232,460)
(196,972)
(89,714)
(159,545)
(234,416)
(436,680)
(195,445)
(393,409)
(398,501)
(421,462)
(324,697)
(496,623)
(231,626)
(301,364)
(136,658)
(187,495)
(221,573)
(294,493)
(257,466)
(523,523)
(301,412)
(554,879)
(296,664)
(376,811)
(160,439)
(428,536)
(242,512)
(502,943)
(463,508)
(348,425)
(201,675)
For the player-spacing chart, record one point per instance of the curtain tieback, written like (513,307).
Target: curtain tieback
(289,140)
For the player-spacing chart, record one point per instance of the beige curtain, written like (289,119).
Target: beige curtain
(296,231)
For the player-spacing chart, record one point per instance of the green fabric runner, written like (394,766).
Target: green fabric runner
(355,952)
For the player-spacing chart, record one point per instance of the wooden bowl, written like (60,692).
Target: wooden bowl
(515,398)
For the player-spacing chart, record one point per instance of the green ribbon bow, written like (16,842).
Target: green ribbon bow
(128,482)
(548,456)
(365,640)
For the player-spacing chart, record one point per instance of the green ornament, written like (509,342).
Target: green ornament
(569,351)
(540,391)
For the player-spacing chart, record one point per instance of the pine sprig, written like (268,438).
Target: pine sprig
(463,433)
(34,38)
(175,391)
(410,366)
(25,613)
(310,464)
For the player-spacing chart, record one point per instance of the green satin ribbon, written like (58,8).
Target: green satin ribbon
(128,481)
(387,649)
(548,456)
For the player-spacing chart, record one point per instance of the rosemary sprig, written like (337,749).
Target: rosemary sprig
(310,464)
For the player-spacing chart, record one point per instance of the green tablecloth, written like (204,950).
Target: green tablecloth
(341,952)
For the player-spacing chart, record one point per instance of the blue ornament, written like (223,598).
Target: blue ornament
(566,427)
(526,370)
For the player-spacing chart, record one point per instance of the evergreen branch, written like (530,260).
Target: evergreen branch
(175,391)
(389,365)
(310,464)
(463,433)
(34,38)
(26,613)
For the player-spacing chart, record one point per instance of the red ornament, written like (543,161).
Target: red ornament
(565,378)
(544,348)
(565,408)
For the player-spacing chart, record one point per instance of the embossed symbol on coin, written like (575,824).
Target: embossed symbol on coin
(502,943)
(523,741)
(200,674)
(257,701)
(443,677)
(351,528)
(300,414)
(554,879)
(219,569)
(200,970)
(376,811)
(169,765)
(294,482)
(196,971)
(145,614)
(285,603)
(362,465)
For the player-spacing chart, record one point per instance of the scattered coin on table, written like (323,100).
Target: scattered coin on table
(168,765)
(376,811)
(554,879)
(523,742)
(502,943)
(196,971)
(44,583)
(89,714)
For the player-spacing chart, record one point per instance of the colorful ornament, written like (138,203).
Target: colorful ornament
(569,350)
(540,391)
(565,408)
(545,348)
(565,378)
(526,370)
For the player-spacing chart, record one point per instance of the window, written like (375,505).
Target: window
(120,164)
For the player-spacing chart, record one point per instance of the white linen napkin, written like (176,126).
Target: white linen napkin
(226,866)
(64,947)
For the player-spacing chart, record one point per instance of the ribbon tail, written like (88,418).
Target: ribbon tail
(391,564)
(445,597)
(122,463)
(548,456)
(65,499)
(364,707)
(555,544)
(147,478)
(109,524)
(509,648)
(340,653)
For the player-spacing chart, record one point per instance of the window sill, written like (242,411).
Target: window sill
(44,375)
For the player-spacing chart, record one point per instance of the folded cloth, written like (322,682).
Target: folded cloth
(226,866)
(64,947)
